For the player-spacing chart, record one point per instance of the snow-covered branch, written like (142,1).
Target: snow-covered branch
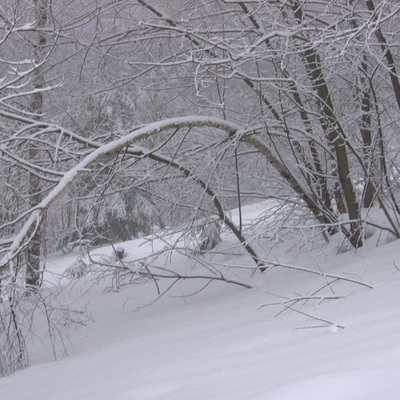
(110,148)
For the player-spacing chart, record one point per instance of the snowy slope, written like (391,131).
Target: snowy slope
(226,343)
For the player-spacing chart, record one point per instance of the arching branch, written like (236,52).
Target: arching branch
(34,220)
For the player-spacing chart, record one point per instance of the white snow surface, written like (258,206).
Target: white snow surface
(224,342)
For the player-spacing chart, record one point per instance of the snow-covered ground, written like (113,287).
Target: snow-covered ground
(226,341)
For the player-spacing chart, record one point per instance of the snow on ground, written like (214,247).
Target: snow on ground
(224,342)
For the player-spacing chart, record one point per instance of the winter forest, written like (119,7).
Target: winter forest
(127,119)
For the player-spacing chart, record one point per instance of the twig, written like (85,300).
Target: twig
(315,318)
(320,273)
(297,299)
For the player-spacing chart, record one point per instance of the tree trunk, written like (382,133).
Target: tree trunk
(33,272)
(333,133)
(394,78)
(366,136)
(395,81)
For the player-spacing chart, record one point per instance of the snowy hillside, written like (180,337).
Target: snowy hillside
(291,336)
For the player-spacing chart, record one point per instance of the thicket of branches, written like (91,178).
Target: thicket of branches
(167,112)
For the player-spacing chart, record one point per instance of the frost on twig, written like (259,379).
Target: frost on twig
(288,305)
(294,300)
(327,324)
(274,264)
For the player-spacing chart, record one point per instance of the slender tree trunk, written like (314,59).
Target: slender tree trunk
(33,272)
(395,81)
(333,132)
(366,136)
(394,78)
(336,139)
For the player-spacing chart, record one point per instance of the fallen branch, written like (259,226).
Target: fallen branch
(164,273)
